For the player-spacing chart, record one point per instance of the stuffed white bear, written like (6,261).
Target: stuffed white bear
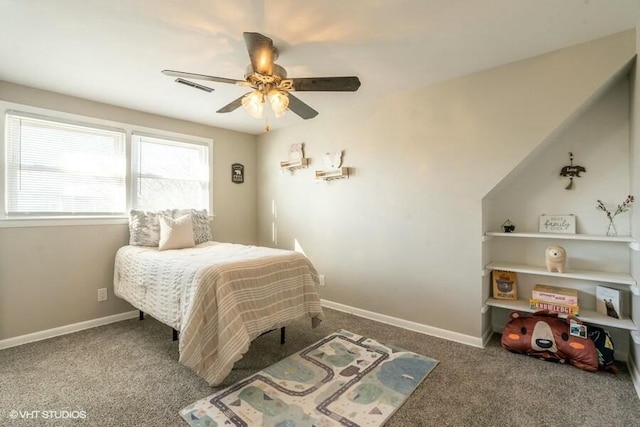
(555,258)
(333,160)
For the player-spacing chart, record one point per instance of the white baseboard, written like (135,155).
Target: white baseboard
(67,329)
(406,324)
(487,336)
(635,375)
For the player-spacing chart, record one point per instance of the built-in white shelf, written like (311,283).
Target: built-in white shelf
(597,276)
(294,164)
(590,237)
(587,316)
(339,173)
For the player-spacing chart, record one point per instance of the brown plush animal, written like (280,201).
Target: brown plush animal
(545,336)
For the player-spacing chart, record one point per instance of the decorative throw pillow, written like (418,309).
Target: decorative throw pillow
(144,227)
(176,233)
(201,226)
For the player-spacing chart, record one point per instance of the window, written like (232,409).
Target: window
(168,173)
(57,168)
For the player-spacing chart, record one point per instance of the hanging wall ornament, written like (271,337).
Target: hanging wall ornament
(571,171)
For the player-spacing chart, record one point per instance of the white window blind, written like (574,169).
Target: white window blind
(169,174)
(55,168)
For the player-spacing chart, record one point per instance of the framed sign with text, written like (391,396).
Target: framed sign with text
(237,173)
(558,224)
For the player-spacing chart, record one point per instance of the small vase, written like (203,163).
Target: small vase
(611,229)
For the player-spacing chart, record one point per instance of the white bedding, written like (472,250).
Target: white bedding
(219,295)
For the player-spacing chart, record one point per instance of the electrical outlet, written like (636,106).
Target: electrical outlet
(322,280)
(102,294)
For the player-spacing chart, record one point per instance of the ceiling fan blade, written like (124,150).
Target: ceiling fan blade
(329,84)
(261,52)
(300,108)
(201,77)
(232,106)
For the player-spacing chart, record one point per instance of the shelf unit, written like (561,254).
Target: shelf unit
(590,237)
(596,276)
(294,164)
(339,173)
(588,316)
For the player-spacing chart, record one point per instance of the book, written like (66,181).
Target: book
(554,307)
(555,294)
(609,302)
(504,285)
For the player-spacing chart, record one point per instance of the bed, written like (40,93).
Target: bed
(220,296)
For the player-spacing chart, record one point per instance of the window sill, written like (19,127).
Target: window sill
(23,222)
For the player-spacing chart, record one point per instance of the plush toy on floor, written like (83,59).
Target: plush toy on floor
(555,258)
(545,336)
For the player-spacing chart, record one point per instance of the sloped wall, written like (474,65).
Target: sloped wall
(599,140)
(402,236)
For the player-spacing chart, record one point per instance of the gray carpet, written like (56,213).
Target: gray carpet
(127,374)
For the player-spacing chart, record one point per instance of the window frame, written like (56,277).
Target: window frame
(129,129)
(60,123)
(136,174)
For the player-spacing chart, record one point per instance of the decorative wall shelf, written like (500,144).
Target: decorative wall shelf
(590,237)
(296,158)
(597,276)
(339,173)
(587,316)
(294,164)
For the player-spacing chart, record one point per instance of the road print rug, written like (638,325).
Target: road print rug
(343,379)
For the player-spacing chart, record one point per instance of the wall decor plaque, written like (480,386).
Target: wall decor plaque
(564,224)
(237,173)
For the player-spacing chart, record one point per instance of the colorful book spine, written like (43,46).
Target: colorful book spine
(535,304)
(554,294)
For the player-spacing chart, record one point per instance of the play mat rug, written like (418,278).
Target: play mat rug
(343,379)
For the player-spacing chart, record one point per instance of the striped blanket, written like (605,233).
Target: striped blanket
(220,296)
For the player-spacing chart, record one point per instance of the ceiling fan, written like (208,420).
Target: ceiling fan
(269,82)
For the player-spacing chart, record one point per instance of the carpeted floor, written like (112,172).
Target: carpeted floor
(127,374)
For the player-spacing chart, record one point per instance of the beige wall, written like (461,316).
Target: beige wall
(402,236)
(49,276)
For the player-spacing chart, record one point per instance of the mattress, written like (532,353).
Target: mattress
(220,296)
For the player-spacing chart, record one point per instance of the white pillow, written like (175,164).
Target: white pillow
(144,227)
(201,227)
(176,233)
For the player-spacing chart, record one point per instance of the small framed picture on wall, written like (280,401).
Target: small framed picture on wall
(237,173)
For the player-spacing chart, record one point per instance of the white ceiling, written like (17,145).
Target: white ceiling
(112,51)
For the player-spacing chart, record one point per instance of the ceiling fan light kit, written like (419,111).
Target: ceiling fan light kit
(253,102)
(279,101)
(269,81)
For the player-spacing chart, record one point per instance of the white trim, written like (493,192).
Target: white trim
(67,329)
(635,375)
(405,324)
(73,122)
(487,336)
(93,121)
(23,222)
